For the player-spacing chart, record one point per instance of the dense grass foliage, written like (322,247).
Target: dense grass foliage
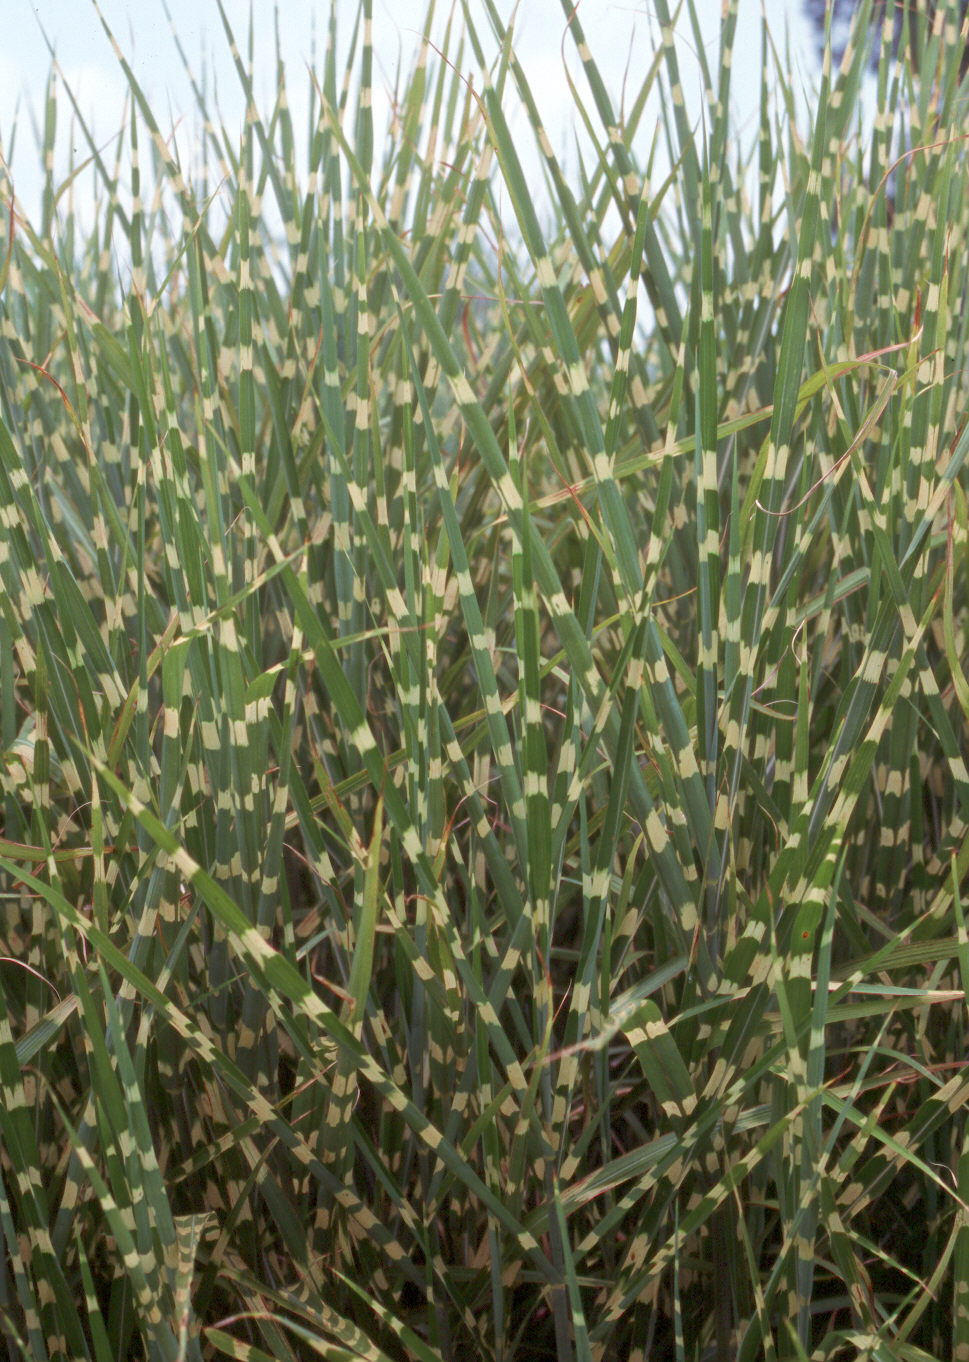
(484,724)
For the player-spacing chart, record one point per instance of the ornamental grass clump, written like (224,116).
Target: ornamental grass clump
(484,718)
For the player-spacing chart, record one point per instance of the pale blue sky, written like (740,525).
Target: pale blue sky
(619,31)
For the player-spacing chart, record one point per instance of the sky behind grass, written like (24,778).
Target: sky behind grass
(622,34)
